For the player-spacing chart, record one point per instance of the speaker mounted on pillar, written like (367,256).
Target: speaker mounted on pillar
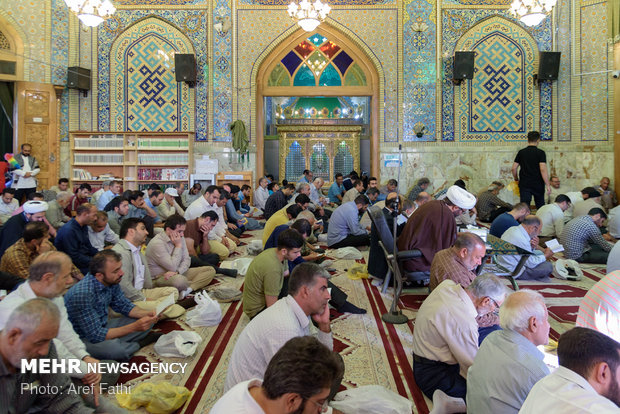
(78,78)
(185,68)
(463,66)
(548,66)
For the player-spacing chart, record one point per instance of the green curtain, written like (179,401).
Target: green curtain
(613,20)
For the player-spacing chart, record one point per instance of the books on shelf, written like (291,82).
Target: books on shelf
(165,143)
(163,159)
(163,174)
(97,158)
(97,141)
(81,174)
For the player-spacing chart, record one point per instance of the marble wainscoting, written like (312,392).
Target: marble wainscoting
(229,160)
(577,165)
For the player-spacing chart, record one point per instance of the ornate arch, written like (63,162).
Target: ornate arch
(367,64)
(144,93)
(501,102)
(12,47)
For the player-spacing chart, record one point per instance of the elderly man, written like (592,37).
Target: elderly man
(509,219)
(600,307)
(117,210)
(489,205)
(55,213)
(137,283)
(261,194)
(80,197)
(587,380)
(421,185)
(445,338)
(28,335)
(508,364)
(457,263)
(94,198)
(552,217)
(554,182)
(88,303)
(18,257)
(608,195)
(24,181)
(591,199)
(390,187)
(107,196)
(264,278)
(316,196)
(50,277)
(583,241)
(13,229)
(525,236)
(169,260)
(8,204)
(100,233)
(432,228)
(287,318)
(73,239)
(344,225)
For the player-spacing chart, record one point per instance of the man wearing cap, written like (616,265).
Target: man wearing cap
(433,228)
(169,205)
(591,199)
(13,229)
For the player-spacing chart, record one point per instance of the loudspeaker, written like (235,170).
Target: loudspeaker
(78,78)
(463,65)
(185,67)
(549,66)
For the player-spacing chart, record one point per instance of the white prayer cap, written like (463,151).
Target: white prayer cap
(172,191)
(461,198)
(35,206)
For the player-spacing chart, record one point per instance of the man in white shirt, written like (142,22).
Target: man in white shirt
(288,388)
(100,233)
(24,181)
(261,194)
(552,217)
(613,222)
(587,380)
(169,205)
(591,199)
(445,338)
(600,307)
(525,236)
(508,363)
(287,318)
(8,204)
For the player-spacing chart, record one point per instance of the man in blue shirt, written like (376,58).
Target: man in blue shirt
(87,304)
(72,238)
(344,225)
(509,219)
(107,196)
(336,191)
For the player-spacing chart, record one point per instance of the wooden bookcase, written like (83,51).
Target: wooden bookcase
(136,158)
(236,177)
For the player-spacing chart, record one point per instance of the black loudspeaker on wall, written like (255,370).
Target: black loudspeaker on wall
(549,66)
(463,65)
(78,78)
(185,67)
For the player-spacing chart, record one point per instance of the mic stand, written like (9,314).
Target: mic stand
(395,315)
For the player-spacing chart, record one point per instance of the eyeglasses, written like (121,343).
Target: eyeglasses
(494,302)
(323,406)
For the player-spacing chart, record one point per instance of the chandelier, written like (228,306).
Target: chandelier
(531,12)
(308,15)
(91,12)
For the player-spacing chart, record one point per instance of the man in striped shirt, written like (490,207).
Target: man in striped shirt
(583,241)
(600,307)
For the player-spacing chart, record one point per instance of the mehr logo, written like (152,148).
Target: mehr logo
(72,366)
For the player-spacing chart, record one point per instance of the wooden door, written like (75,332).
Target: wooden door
(36,124)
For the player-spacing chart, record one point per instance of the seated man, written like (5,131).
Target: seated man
(36,196)
(613,222)
(336,190)
(287,318)
(525,236)
(509,219)
(312,373)
(87,304)
(137,284)
(433,228)
(192,194)
(94,198)
(316,196)
(203,203)
(613,261)
(169,204)
(591,199)
(508,364)
(13,228)
(244,200)
(72,238)
(55,214)
(344,225)
(261,194)
(307,177)
(583,241)
(282,216)
(587,380)
(458,262)
(80,197)
(552,217)
(278,200)
(233,212)
(600,307)
(421,185)
(390,187)
(113,190)
(63,185)
(169,261)
(138,208)
(264,278)
(489,205)
(554,182)
(445,338)
(351,195)
(117,210)
(100,233)
(8,204)
(28,335)
(608,195)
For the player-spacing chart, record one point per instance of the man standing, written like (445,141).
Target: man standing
(107,196)
(552,217)
(583,241)
(264,278)
(24,181)
(80,197)
(13,229)
(72,238)
(287,318)
(532,176)
(587,380)
(87,305)
(344,225)
(508,364)
(510,219)
(445,338)
(8,205)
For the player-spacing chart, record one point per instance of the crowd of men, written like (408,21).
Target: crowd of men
(86,273)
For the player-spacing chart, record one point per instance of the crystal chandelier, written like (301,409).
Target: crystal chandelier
(308,15)
(531,12)
(91,12)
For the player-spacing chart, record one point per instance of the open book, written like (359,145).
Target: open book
(555,246)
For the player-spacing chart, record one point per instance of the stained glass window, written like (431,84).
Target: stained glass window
(343,160)
(330,77)
(295,162)
(278,76)
(343,61)
(304,77)
(291,61)
(355,76)
(319,162)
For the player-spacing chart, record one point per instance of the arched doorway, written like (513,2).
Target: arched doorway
(317,81)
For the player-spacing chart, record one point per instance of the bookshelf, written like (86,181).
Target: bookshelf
(135,158)
(235,177)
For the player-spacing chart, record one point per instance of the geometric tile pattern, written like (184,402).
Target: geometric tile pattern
(60,42)
(499,103)
(331,2)
(184,30)
(222,74)
(145,95)
(563,84)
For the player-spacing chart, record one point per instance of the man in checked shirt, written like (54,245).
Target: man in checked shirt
(583,241)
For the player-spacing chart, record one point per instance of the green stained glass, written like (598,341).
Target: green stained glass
(317,62)
(317,39)
(279,76)
(355,76)
(304,77)
(330,77)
